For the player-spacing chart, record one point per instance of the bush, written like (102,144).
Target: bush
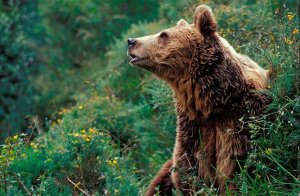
(85,161)
(110,126)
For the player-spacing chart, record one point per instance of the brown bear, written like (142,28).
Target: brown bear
(216,92)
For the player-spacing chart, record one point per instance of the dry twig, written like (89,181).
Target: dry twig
(76,186)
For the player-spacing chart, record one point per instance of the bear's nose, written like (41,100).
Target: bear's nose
(131,42)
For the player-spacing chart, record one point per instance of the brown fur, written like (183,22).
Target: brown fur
(215,92)
(161,183)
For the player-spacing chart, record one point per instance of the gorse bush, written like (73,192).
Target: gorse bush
(65,163)
(110,126)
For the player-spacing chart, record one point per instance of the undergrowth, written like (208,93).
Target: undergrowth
(119,127)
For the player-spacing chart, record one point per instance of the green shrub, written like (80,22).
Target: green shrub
(82,161)
(114,125)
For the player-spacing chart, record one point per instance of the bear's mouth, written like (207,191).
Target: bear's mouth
(136,59)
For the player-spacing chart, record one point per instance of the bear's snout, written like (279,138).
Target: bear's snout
(131,42)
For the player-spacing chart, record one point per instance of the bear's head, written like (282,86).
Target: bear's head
(169,54)
(205,73)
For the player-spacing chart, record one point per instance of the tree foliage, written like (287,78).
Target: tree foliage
(78,119)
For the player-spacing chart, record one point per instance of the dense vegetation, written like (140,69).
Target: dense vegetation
(76,118)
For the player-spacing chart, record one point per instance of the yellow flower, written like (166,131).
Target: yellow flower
(76,134)
(80,107)
(92,130)
(290,16)
(86,138)
(268,151)
(288,41)
(16,137)
(83,131)
(33,145)
(295,31)
(59,121)
(115,162)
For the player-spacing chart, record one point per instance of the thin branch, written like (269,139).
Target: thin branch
(75,185)
(21,183)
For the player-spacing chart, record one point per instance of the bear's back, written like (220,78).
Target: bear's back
(251,71)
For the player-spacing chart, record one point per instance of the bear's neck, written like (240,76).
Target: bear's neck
(215,84)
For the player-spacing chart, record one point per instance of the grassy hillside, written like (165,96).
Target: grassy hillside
(96,125)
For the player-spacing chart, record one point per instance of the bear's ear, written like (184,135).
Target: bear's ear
(182,23)
(204,20)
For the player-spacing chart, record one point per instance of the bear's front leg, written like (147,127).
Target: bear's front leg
(183,174)
(185,160)
(162,182)
(231,146)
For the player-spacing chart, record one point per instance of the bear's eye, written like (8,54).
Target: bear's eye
(163,35)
